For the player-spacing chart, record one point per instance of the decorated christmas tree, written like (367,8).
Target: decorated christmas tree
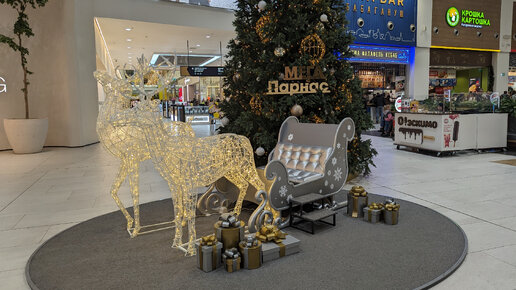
(289,58)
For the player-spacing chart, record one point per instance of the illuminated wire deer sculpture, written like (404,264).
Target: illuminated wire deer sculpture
(128,143)
(187,162)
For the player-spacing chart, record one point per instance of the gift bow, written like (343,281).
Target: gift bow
(392,207)
(249,241)
(208,240)
(375,206)
(358,190)
(270,233)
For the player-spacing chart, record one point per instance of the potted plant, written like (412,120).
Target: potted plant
(25,135)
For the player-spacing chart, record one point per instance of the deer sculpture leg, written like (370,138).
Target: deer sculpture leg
(122,174)
(190,211)
(178,211)
(135,192)
(242,185)
(179,214)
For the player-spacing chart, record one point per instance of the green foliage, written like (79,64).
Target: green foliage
(258,116)
(21,28)
(508,105)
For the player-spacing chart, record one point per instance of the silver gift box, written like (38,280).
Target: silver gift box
(206,254)
(362,202)
(391,217)
(271,251)
(376,215)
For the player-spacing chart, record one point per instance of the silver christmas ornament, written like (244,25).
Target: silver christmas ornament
(281,76)
(260,151)
(261,5)
(236,41)
(279,51)
(296,110)
(324,18)
(224,121)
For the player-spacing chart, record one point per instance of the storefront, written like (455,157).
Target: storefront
(381,69)
(465,34)
(384,32)
(459,71)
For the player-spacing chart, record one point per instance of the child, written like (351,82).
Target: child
(388,120)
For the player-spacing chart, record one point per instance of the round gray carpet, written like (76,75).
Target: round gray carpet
(423,249)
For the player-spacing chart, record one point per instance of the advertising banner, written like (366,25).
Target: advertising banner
(436,132)
(384,22)
(368,53)
(466,24)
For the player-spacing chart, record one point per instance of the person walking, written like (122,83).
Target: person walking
(379,102)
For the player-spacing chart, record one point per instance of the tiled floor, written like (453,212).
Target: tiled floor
(43,194)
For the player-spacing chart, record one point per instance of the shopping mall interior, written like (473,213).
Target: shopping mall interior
(167,144)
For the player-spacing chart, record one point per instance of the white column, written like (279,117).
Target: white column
(418,73)
(500,71)
(501,59)
(418,76)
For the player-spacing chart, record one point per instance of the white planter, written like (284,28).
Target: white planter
(26,135)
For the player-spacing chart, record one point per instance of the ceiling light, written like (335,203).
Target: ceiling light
(208,36)
(128,29)
(128,47)
(197,45)
(129,53)
(191,51)
(130,57)
(129,40)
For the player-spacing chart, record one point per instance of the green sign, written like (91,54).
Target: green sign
(452,16)
(466,18)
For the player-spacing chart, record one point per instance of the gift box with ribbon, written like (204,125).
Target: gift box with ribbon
(251,250)
(209,252)
(229,231)
(357,201)
(275,243)
(231,260)
(391,213)
(373,212)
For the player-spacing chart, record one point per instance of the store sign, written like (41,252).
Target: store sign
(364,53)
(404,121)
(3,86)
(307,74)
(202,71)
(466,18)
(387,22)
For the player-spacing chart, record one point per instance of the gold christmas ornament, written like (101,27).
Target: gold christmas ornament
(279,51)
(296,110)
(349,96)
(256,104)
(314,47)
(260,28)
